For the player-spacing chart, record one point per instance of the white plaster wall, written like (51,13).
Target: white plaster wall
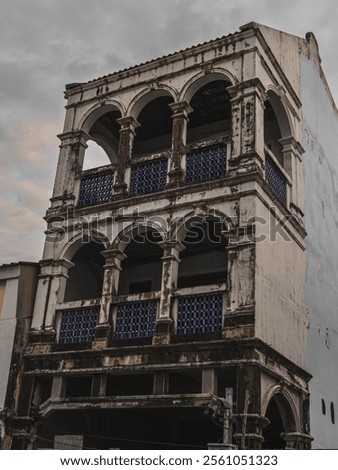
(7,331)
(320,141)
(281,316)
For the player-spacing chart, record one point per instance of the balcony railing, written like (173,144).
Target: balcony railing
(78,325)
(275,179)
(135,320)
(148,177)
(206,163)
(96,187)
(200,313)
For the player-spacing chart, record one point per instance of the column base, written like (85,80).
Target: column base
(102,334)
(40,342)
(245,163)
(120,191)
(297,441)
(163,331)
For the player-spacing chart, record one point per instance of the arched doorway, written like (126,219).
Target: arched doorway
(281,420)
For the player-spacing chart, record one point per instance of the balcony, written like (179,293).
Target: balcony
(207,163)
(200,313)
(148,176)
(135,319)
(276,179)
(96,186)
(77,325)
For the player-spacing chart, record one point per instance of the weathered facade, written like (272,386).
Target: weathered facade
(172,285)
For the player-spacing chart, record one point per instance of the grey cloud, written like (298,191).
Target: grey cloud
(48,43)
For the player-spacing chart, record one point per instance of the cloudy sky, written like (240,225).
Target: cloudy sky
(45,44)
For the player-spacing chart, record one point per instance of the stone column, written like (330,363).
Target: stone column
(127,134)
(111,277)
(171,260)
(58,387)
(181,110)
(249,420)
(247,145)
(59,278)
(67,180)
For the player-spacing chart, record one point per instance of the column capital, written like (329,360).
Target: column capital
(180,109)
(169,246)
(79,137)
(128,123)
(52,266)
(112,255)
(291,144)
(252,86)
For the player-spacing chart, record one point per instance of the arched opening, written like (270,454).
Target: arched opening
(153,136)
(208,125)
(86,276)
(211,115)
(272,132)
(95,156)
(97,178)
(276,128)
(204,258)
(203,263)
(272,433)
(154,133)
(281,420)
(142,267)
(105,132)
(140,279)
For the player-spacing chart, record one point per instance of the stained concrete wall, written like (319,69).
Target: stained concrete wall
(7,331)
(320,141)
(17,294)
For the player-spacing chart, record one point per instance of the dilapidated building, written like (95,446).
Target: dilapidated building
(173,303)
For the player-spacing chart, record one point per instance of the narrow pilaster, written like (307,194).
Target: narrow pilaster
(247,146)
(239,316)
(59,278)
(180,119)
(127,133)
(111,278)
(169,282)
(67,180)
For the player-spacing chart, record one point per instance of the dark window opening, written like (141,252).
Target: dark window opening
(129,385)
(139,287)
(332,413)
(106,133)
(272,433)
(78,387)
(204,259)
(142,269)
(86,276)
(323,407)
(154,133)
(211,115)
(185,382)
(272,132)
(226,378)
